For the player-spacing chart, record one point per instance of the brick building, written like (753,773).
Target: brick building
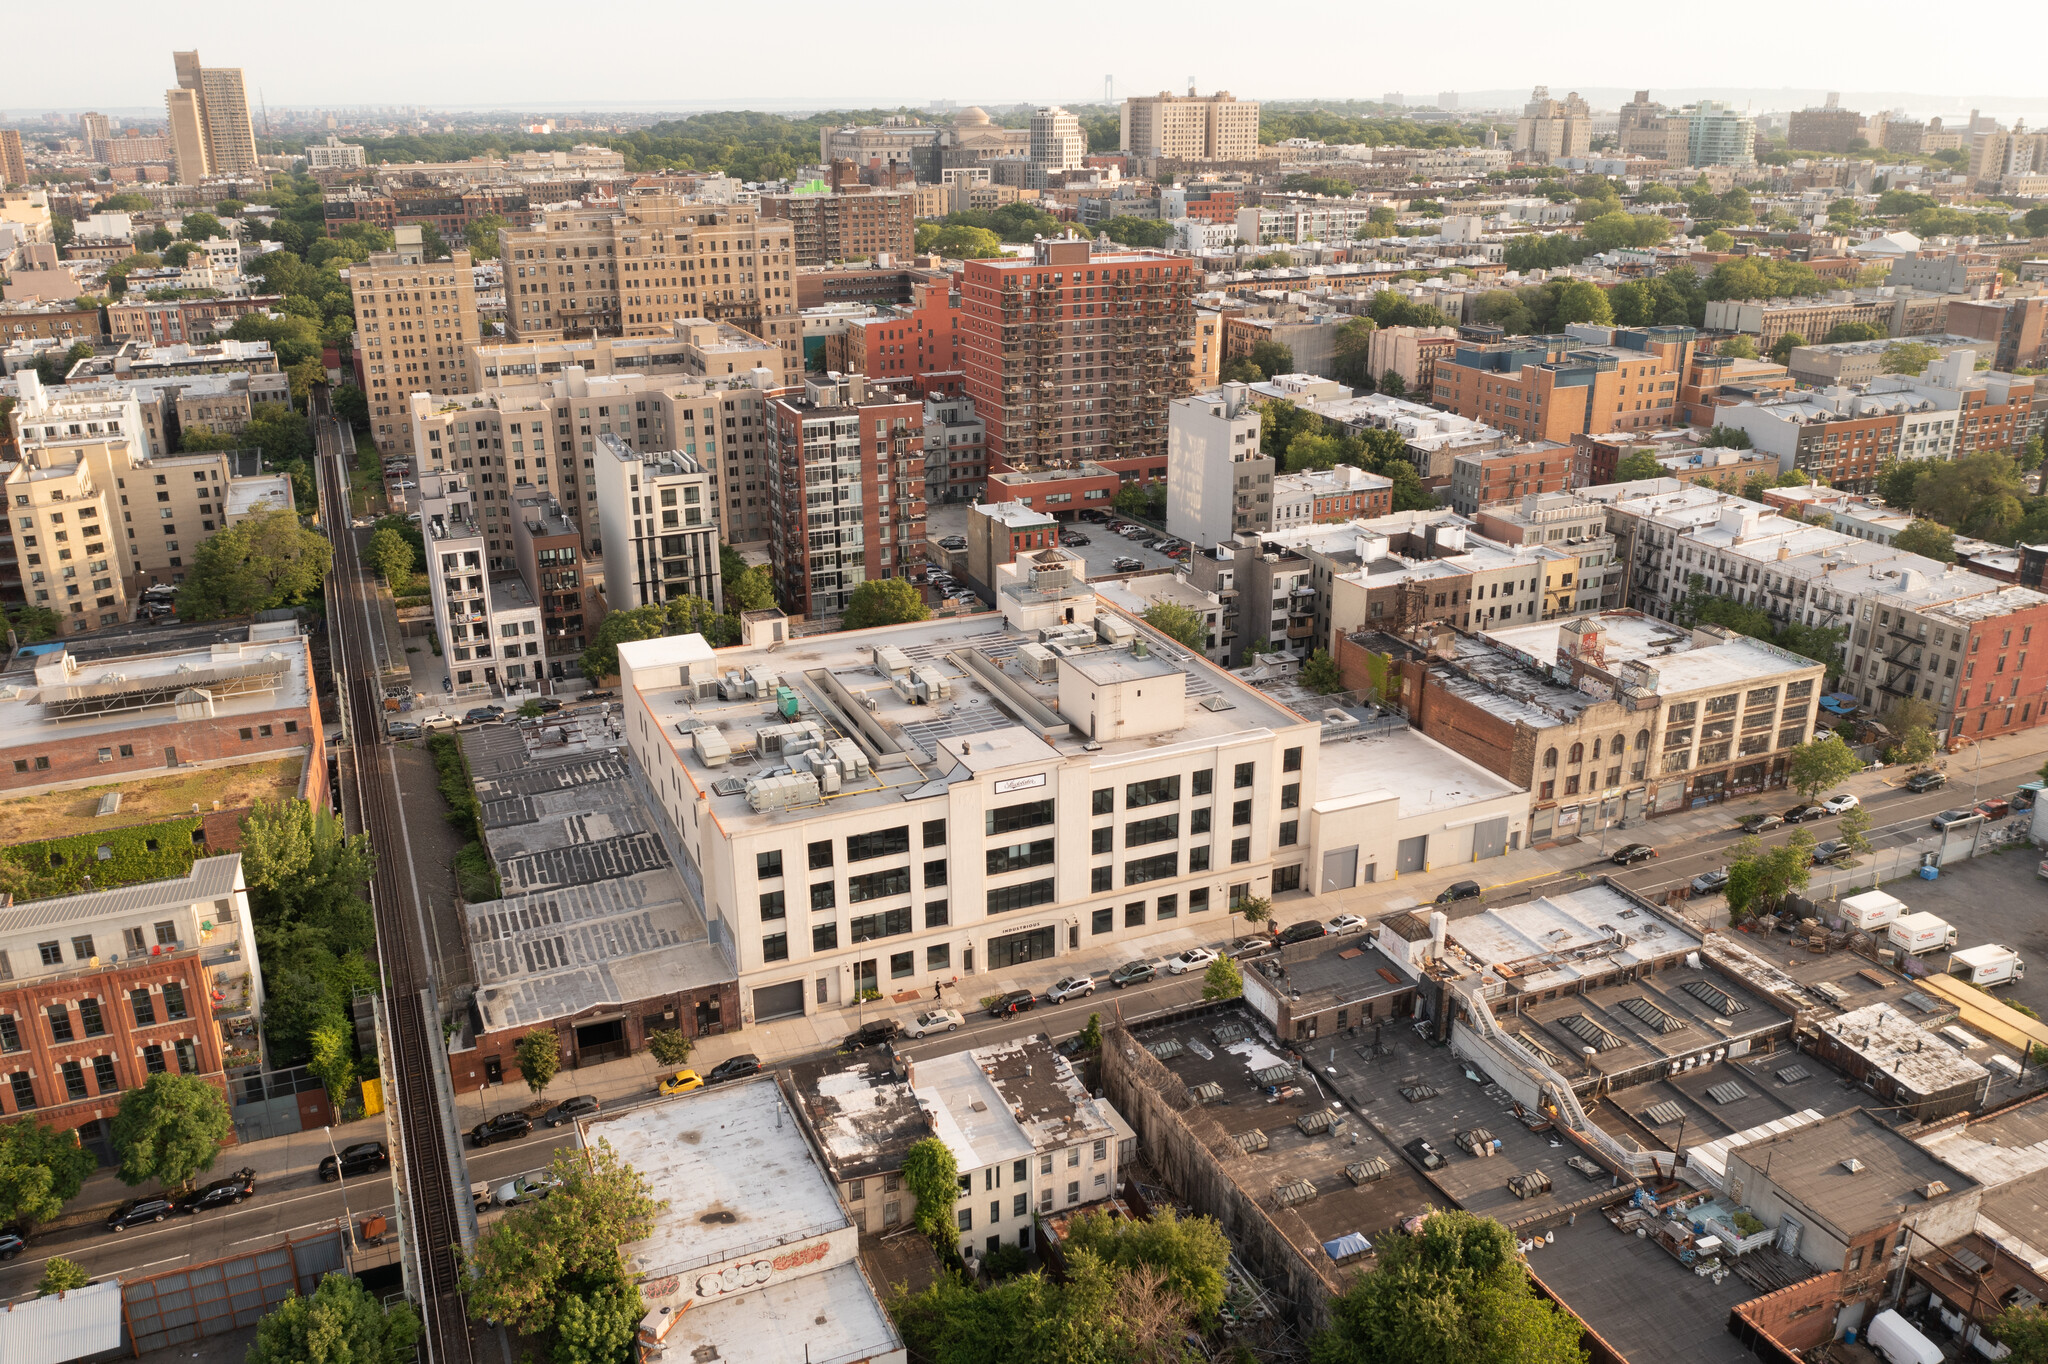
(168,322)
(856,223)
(1509,475)
(921,339)
(415,317)
(1555,387)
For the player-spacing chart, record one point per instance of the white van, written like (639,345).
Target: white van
(1897,1342)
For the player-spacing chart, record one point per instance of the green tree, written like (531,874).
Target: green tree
(1758,878)
(1717,241)
(1956,492)
(1091,1036)
(933,1178)
(1619,229)
(1577,300)
(1854,331)
(1350,353)
(263,561)
(169,1130)
(883,601)
(1272,358)
(670,1047)
(1782,348)
(333,1061)
(1238,370)
(41,1169)
(539,1054)
(1222,980)
(598,1326)
(1455,1293)
(482,235)
(1146,233)
(957,241)
(600,658)
(61,1276)
(1907,357)
(1738,347)
(1319,673)
(1930,538)
(1854,831)
(433,246)
(342,1323)
(1731,437)
(389,554)
(1192,1252)
(32,624)
(1183,623)
(1393,385)
(198,227)
(1502,308)
(1256,910)
(1820,763)
(1637,464)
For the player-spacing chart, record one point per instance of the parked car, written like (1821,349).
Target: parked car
(1301,932)
(405,485)
(483,715)
(1075,538)
(1425,1155)
(1927,781)
(1257,946)
(1132,973)
(1841,804)
(1127,565)
(682,1082)
(597,696)
(503,1127)
(402,729)
(1707,882)
(526,1188)
(434,723)
(1344,923)
(952,542)
(365,1157)
(1834,850)
(1092,515)
(1015,1002)
(1070,987)
(548,704)
(1762,824)
(221,1193)
(1194,959)
(1802,814)
(10,1245)
(734,1068)
(1950,819)
(136,1211)
(1458,890)
(1631,853)
(569,1110)
(1994,808)
(934,1020)
(872,1033)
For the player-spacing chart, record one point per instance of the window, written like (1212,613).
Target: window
(1101,879)
(1008,819)
(1287,878)
(935,833)
(81,948)
(60,1021)
(1290,796)
(74,1082)
(24,1090)
(966,1219)
(174,1000)
(1019,1205)
(825,896)
(1240,850)
(52,953)
(1134,914)
(1289,828)
(1198,821)
(824,937)
(1144,869)
(1158,829)
(1167,907)
(1102,840)
(10,1035)
(877,884)
(935,873)
(1102,921)
(1103,802)
(144,1007)
(1243,777)
(1203,781)
(775,947)
(166,933)
(1073,1191)
(887,924)
(1240,813)
(902,964)
(1198,859)
(768,865)
(1154,792)
(771,905)
(880,843)
(89,1017)
(103,1075)
(1021,897)
(1018,856)
(1198,899)
(821,854)
(188,1056)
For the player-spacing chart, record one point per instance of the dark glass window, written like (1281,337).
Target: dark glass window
(10,1035)
(24,1090)
(824,937)
(768,864)
(1103,802)
(1244,775)
(1198,899)
(1018,856)
(1204,781)
(144,1006)
(74,1080)
(53,953)
(1198,821)
(1101,879)
(1290,760)
(174,999)
(880,843)
(775,947)
(1240,813)
(1158,829)
(1008,819)
(103,1075)
(821,854)
(935,833)
(188,1056)
(936,914)
(939,958)
(1134,914)
(1021,897)
(771,905)
(1154,792)
(60,1022)
(887,924)
(876,884)
(1166,907)
(902,964)
(1240,850)
(1290,796)
(1102,840)
(1289,829)
(1102,921)
(825,896)
(935,872)
(89,1017)
(1198,859)
(1143,869)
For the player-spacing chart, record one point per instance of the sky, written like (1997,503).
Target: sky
(543,55)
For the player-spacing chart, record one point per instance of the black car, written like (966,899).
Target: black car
(1762,824)
(1460,890)
(363,1158)
(596,696)
(1425,1155)
(221,1193)
(1631,853)
(1926,781)
(139,1210)
(1075,539)
(548,704)
(1015,1002)
(733,1068)
(1833,850)
(10,1245)
(503,1127)
(569,1110)
(483,715)
(1802,814)
(1301,932)
(871,1034)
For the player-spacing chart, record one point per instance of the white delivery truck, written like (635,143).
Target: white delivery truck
(1917,933)
(1897,1342)
(1871,910)
(1991,964)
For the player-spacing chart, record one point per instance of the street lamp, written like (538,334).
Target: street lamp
(342,1180)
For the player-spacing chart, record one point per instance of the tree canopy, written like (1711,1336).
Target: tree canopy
(1820,763)
(1183,623)
(1637,464)
(883,601)
(263,561)
(169,1130)
(342,1323)
(958,241)
(1929,538)
(41,1169)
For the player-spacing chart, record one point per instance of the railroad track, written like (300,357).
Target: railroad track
(371,792)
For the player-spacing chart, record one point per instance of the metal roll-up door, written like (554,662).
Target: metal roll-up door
(1340,869)
(1412,854)
(1489,838)
(778,1001)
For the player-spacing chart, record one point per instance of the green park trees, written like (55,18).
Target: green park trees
(263,561)
(958,241)
(341,1323)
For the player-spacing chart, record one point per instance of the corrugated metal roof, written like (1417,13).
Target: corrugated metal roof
(1726,1092)
(211,878)
(55,1330)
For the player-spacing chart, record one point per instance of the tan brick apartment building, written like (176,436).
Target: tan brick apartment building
(1072,356)
(1190,127)
(1552,388)
(853,223)
(1509,475)
(168,322)
(414,320)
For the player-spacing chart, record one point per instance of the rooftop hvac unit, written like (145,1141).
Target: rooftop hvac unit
(936,686)
(764,680)
(775,740)
(783,792)
(1114,629)
(890,660)
(853,762)
(737,687)
(1072,636)
(828,776)
(910,688)
(712,749)
(1037,661)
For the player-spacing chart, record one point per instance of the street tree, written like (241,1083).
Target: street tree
(265,561)
(341,1323)
(600,658)
(61,1275)
(539,1054)
(2023,1330)
(1820,763)
(1854,831)
(933,1178)
(1637,464)
(1257,911)
(883,601)
(1758,878)
(752,589)
(41,1169)
(1223,980)
(169,1130)
(1930,538)
(669,1046)
(388,553)
(1183,623)
(1350,347)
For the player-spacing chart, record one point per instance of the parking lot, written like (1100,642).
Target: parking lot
(1100,553)
(1993,899)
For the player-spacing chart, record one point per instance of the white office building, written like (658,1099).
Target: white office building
(661,533)
(1217,482)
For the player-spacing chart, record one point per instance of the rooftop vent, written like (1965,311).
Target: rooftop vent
(1852,1165)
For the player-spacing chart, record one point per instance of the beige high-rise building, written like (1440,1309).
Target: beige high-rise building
(13,165)
(1057,144)
(635,269)
(1191,127)
(1553,127)
(414,320)
(209,121)
(95,130)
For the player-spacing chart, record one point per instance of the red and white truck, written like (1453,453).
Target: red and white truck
(1991,964)
(1917,933)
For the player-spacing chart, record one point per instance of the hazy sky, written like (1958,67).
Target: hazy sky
(529,55)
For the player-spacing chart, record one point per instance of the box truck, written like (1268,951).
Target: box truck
(1917,933)
(1991,964)
(1871,910)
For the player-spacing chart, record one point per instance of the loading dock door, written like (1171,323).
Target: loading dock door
(778,1001)
(1489,838)
(1340,869)
(1411,855)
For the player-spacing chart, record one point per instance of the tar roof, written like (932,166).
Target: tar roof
(862,1112)
(1813,1165)
(734,1168)
(1682,661)
(1327,971)
(1902,1049)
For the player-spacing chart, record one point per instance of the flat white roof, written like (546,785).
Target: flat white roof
(968,1112)
(1681,665)
(734,1167)
(1424,775)
(1558,939)
(834,1314)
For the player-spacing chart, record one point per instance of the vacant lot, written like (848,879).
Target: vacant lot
(144,798)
